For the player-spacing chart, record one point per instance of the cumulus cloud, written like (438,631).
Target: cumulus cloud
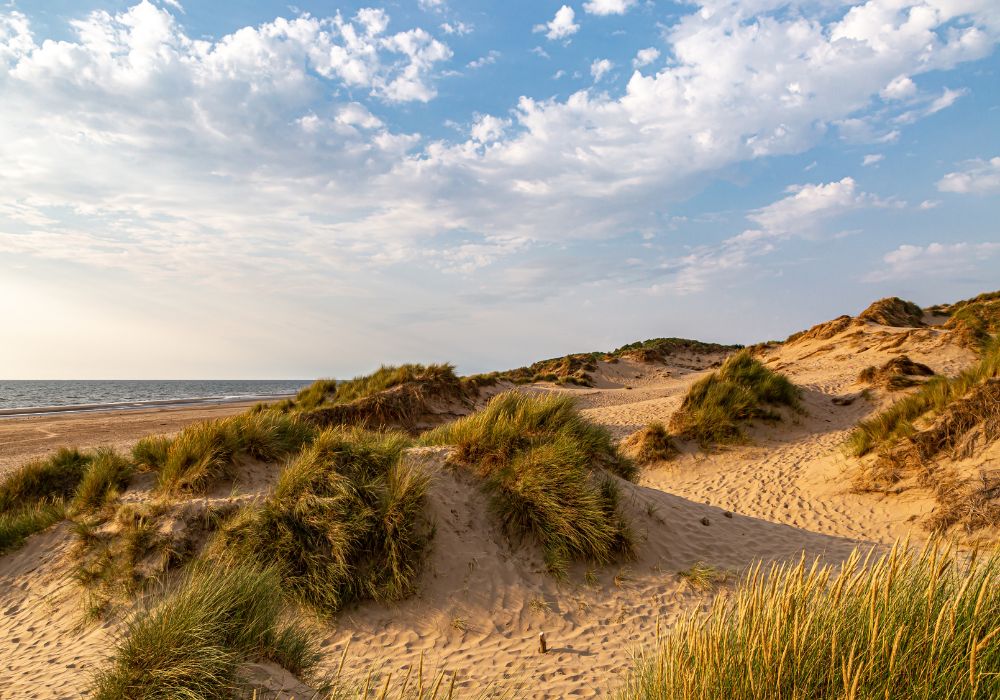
(608,7)
(561,26)
(599,68)
(899,88)
(490,58)
(976,177)
(270,151)
(934,260)
(456,28)
(644,57)
(872,159)
(807,205)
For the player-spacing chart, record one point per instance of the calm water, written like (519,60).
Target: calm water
(18,394)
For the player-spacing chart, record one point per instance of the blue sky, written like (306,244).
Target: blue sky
(229,189)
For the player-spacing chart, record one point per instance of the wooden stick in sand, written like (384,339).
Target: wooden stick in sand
(542,647)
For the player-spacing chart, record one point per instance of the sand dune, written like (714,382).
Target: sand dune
(482,601)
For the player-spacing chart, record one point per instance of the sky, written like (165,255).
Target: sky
(222,189)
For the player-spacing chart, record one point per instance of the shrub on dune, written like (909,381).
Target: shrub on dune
(907,625)
(192,644)
(742,389)
(346,521)
(55,477)
(650,444)
(207,452)
(18,523)
(545,470)
(107,473)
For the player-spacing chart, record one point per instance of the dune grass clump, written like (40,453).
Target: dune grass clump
(898,373)
(932,397)
(650,444)
(33,496)
(49,479)
(742,389)
(329,391)
(191,645)
(16,524)
(905,625)
(545,470)
(106,475)
(346,521)
(150,452)
(206,452)
(893,311)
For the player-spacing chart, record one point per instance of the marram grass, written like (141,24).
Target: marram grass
(546,471)
(907,624)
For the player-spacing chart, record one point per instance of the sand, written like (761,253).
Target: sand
(481,602)
(25,437)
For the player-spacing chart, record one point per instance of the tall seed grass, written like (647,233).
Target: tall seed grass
(743,389)
(206,452)
(192,644)
(903,625)
(895,422)
(346,521)
(544,469)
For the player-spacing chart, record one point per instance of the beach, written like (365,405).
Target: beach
(25,437)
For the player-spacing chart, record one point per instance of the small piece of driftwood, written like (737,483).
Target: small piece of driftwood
(542,646)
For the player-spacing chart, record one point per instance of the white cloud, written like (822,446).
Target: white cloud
(600,68)
(488,128)
(608,7)
(561,26)
(558,74)
(645,56)
(457,28)
(489,59)
(934,260)
(899,88)
(872,159)
(807,205)
(929,204)
(174,4)
(428,5)
(977,177)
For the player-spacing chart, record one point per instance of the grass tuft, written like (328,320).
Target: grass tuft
(192,644)
(17,524)
(53,478)
(650,444)
(906,625)
(934,396)
(545,470)
(205,453)
(345,522)
(742,389)
(106,475)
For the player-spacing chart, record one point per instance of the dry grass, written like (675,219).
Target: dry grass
(345,522)
(544,469)
(743,389)
(649,445)
(893,311)
(934,396)
(904,625)
(16,524)
(192,644)
(976,321)
(898,373)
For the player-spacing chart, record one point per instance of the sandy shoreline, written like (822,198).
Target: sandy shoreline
(24,437)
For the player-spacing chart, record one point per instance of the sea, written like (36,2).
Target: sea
(19,397)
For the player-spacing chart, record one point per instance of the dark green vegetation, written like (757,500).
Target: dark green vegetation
(742,389)
(191,644)
(345,521)
(38,494)
(893,311)
(547,474)
(898,373)
(650,444)
(908,625)
(205,453)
